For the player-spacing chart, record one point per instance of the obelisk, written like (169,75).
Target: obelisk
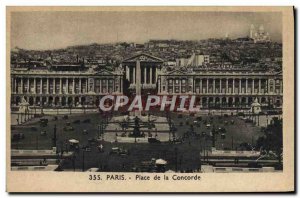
(138,84)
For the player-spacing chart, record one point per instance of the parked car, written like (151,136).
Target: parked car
(248,120)
(43,133)
(123,152)
(114,150)
(85,132)
(92,140)
(68,128)
(223,136)
(43,122)
(76,122)
(199,118)
(86,121)
(87,148)
(153,140)
(18,136)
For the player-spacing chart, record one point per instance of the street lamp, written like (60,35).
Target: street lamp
(176,156)
(83,106)
(25,116)
(18,119)
(70,107)
(102,131)
(54,136)
(57,106)
(83,157)
(37,142)
(42,108)
(73,161)
(34,110)
(100,128)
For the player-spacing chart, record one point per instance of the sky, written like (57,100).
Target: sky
(52,30)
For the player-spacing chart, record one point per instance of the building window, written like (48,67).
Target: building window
(110,85)
(271,86)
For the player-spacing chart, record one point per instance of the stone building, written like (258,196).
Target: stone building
(224,87)
(150,65)
(260,35)
(77,86)
(63,85)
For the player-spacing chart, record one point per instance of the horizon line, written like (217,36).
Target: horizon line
(116,42)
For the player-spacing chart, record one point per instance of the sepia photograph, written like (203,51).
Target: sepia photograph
(131,95)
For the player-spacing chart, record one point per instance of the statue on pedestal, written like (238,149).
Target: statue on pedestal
(255,107)
(24,106)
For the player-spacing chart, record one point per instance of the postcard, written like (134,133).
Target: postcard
(150,99)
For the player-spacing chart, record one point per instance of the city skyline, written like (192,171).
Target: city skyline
(79,28)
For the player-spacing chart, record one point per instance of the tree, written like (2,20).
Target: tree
(125,45)
(272,139)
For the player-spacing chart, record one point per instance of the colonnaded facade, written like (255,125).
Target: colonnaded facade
(150,66)
(79,86)
(63,86)
(224,88)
